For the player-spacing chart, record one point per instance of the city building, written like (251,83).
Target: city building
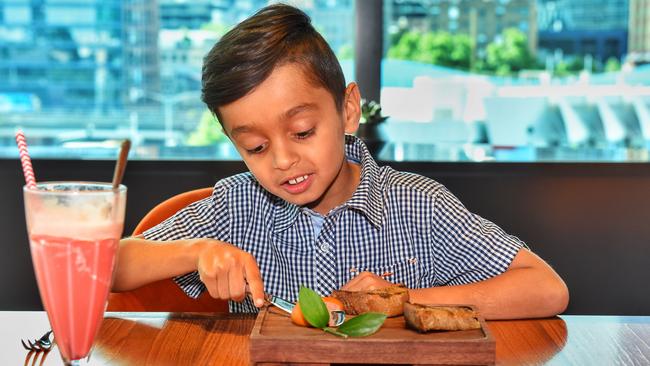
(334,19)
(594,28)
(482,20)
(191,28)
(188,30)
(140,48)
(181,58)
(639,31)
(193,14)
(79,54)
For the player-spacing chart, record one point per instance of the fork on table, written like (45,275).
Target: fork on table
(42,344)
(38,358)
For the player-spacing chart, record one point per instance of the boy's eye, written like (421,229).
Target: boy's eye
(255,150)
(305,134)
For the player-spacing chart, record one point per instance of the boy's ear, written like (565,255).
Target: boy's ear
(352,108)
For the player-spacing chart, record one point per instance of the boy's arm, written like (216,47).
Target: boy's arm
(142,261)
(529,288)
(224,269)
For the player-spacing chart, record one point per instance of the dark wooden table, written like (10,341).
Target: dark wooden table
(222,339)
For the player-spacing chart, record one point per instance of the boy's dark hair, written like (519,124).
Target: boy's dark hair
(247,54)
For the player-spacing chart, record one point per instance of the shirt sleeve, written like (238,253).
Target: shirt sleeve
(466,247)
(206,218)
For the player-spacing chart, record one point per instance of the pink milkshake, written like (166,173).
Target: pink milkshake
(74,230)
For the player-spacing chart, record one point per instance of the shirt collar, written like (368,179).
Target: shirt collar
(367,199)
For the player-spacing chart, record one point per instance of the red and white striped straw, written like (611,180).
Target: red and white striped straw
(25,161)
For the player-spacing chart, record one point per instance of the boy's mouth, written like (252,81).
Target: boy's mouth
(298,184)
(298,179)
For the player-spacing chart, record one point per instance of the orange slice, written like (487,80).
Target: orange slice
(331,303)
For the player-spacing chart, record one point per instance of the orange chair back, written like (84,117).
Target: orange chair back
(165,295)
(170,206)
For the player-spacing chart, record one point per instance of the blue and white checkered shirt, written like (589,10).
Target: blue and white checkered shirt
(399,223)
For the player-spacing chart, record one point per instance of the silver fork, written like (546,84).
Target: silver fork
(42,344)
(38,358)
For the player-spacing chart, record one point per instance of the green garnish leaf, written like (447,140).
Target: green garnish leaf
(313,307)
(362,325)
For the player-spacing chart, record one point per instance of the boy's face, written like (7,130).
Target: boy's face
(292,137)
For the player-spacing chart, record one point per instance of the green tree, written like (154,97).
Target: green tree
(406,47)
(561,69)
(612,64)
(510,54)
(572,66)
(396,35)
(207,132)
(576,64)
(437,48)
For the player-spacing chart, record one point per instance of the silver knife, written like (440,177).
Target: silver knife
(280,302)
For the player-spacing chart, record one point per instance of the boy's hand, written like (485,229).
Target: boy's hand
(228,272)
(366,281)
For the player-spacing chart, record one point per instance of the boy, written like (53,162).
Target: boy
(315,209)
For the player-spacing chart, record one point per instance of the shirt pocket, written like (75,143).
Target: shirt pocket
(405,271)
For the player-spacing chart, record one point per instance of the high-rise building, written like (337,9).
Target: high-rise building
(140,48)
(191,27)
(334,19)
(639,31)
(193,14)
(482,20)
(583,27)
(79,54)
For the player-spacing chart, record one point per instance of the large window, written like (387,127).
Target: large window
(79,76)
(476,80)
(516,80)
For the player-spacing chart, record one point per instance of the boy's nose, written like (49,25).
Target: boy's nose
(284,157)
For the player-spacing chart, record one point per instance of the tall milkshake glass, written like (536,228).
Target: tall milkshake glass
(74,230)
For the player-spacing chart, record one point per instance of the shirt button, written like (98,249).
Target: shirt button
(324,248)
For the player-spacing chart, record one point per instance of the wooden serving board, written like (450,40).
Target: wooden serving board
(276,340)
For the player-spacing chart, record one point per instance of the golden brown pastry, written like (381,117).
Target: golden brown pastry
(387,300)
(424,318)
